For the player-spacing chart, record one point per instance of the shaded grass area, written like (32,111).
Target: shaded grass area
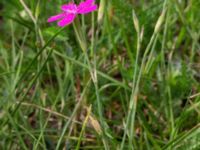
(123,77)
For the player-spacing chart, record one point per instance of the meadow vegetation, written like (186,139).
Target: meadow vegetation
(123,77)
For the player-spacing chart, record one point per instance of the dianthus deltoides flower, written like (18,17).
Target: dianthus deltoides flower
(69,12)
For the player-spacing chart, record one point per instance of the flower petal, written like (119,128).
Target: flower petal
(56,17)
(69,18)
(86,7)
(70,8)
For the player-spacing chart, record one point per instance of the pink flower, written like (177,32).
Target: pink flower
(69,12)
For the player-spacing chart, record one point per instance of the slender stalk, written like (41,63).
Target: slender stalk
(133,99)
(83,44)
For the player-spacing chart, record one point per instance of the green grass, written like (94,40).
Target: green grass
(123,77)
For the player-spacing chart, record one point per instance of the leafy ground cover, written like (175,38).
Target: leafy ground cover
(123,77)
